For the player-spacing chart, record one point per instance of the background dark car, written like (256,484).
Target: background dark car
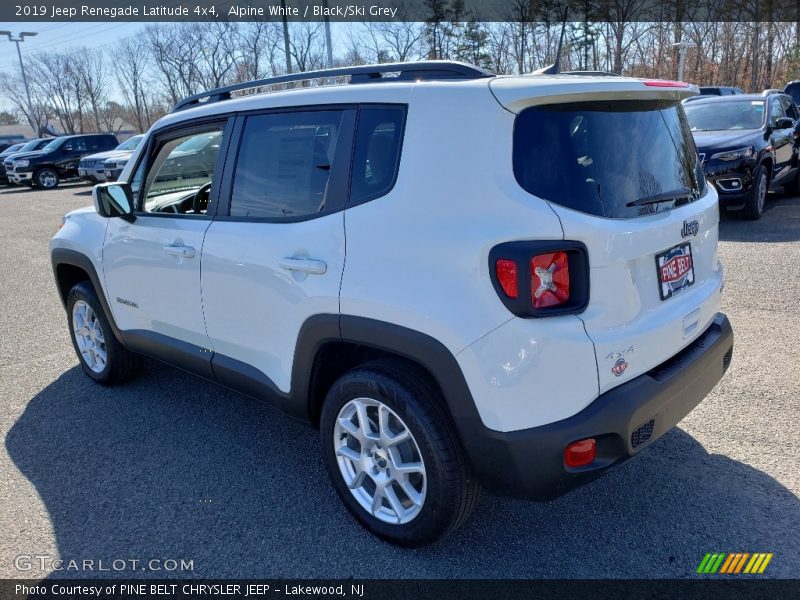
(58,160)
(7,152)
(27,148)
(747,145)
(93,167)
(715,90)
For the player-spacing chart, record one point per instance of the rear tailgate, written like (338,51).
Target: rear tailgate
(632,328)
(615,160)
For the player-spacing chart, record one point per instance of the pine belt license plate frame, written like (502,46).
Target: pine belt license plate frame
(675,270)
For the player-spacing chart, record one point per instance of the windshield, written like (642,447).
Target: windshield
(33,145)
(617,159)
(719,116)
(130,143)
(55,144)
(12,149)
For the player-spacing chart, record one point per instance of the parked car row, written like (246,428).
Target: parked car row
(44,163)
(747,144)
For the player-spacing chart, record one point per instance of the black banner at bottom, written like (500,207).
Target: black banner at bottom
(180,589)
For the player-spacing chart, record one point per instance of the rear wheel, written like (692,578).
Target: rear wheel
(46,178)
(101,356)
(754,208)
(393,456)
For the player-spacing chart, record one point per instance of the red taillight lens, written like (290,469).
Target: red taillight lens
(665,83)
(549,279)
(506,271)
(581,453)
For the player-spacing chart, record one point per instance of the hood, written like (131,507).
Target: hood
(126,154)
(105,155)
(726,139)
(17,155)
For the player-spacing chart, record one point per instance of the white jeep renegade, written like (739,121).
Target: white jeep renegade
(464,280)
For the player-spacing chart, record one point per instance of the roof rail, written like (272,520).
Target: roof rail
(425,70)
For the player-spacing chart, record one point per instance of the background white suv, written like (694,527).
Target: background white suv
(464,280)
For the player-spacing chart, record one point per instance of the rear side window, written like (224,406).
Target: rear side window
(284,164)
(616,159)
(376,157)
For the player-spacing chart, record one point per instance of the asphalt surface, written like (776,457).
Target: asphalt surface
(173,467)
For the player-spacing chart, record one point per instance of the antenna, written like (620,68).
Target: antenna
(556,66)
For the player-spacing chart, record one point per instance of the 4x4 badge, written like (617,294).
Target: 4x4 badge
(690,228)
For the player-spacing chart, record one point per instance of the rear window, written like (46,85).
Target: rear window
(616,159)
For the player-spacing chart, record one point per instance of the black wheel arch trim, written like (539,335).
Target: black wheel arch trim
(65,256)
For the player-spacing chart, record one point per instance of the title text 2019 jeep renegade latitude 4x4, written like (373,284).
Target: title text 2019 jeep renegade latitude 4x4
(464,280)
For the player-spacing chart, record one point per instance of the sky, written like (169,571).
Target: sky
(60,36)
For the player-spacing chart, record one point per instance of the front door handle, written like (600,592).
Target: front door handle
(304,265)
(180,250)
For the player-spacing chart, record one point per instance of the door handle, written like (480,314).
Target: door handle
(305,265)
(180,250)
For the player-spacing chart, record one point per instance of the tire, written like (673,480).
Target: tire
(441,496)
(754,208)
(102,357)
(45,179)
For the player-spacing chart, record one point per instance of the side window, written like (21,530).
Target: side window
(180,173)
(285,163)
(376,159)
(777,110)
(79,145)
(789,108)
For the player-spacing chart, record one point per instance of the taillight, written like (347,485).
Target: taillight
(549,279)
(507,276)
(540,279)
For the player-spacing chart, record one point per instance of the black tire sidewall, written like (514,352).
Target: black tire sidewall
(751,210)
(441,503)
(86,293)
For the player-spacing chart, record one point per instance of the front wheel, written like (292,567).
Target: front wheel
(102,357)
(754,208)
(393,456)
(46,179)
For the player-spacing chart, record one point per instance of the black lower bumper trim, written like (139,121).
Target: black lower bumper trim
(530,463)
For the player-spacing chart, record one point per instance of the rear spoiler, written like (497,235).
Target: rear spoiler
(516,93)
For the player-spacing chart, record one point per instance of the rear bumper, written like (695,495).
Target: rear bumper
(530,463)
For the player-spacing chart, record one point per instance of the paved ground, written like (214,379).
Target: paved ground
(172,467)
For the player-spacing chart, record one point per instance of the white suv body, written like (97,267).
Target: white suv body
(400,262)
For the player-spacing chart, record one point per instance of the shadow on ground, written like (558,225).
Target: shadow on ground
(170,466)
(780,223)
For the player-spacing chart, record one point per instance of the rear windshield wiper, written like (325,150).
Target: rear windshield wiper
(679,194)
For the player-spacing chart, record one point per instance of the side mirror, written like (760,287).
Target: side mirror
(114,200)
(784,123)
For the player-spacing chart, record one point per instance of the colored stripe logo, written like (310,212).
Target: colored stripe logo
(734,563)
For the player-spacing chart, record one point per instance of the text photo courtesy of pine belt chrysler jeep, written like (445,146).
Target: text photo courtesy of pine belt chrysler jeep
(460,278)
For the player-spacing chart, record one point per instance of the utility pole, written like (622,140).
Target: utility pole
(286,38)
(328,43)
(682,48)
(21,38)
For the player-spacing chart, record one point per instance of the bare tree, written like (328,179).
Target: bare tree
(130,67)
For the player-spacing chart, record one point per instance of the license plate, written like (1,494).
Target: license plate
(675,270)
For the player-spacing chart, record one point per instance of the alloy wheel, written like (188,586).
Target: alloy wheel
(380,461)
(89,336)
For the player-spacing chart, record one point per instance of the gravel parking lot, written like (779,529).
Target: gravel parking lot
(173,467)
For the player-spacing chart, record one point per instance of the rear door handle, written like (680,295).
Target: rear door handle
(305,265)
(180,250)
